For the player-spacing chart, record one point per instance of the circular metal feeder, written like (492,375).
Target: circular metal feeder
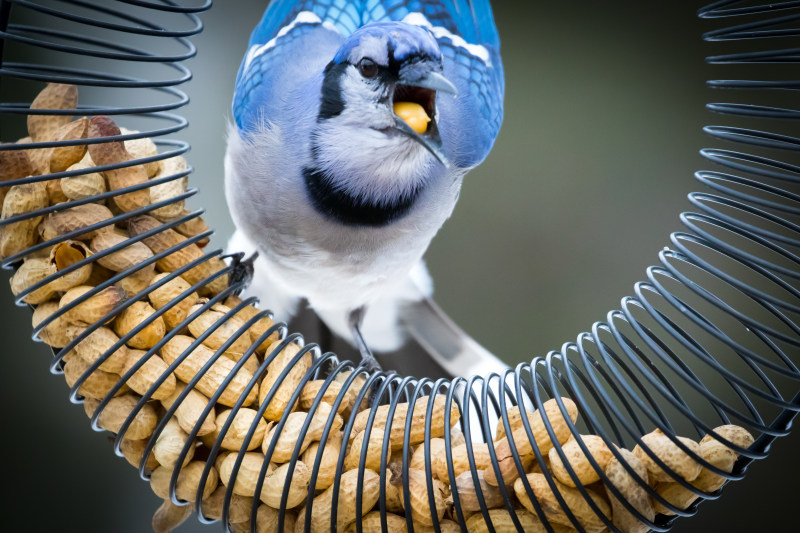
(725,286)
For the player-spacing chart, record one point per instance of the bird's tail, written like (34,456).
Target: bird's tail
(446,343)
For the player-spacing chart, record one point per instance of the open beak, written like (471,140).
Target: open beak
(423,92)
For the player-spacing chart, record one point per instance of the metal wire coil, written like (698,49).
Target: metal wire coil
(630,373)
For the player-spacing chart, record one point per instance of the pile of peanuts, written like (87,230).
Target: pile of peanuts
(246,442)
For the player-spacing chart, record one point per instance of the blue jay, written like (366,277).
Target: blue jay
(337,193)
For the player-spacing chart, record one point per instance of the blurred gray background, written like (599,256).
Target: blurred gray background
(604,110)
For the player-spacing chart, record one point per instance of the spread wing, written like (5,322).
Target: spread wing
(466,33)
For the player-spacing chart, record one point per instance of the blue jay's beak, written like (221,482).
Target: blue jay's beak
(431,140)
(423,91)
(437,82)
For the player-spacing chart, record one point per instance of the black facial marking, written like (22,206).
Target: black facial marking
(341,207)
(332,104)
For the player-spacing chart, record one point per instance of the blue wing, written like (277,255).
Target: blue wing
(466,33)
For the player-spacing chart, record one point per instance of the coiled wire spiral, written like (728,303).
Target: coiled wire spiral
(647,365)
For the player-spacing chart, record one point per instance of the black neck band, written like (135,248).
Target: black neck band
(340,206)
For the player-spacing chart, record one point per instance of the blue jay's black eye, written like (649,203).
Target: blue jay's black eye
(368,68)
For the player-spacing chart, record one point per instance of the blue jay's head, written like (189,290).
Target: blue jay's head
(378,65)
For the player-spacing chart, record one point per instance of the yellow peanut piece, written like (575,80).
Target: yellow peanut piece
(170,445)
(117,411)
(135,315)
(580,508)
(633,491)
(235,435)
(286,388)
(678,461)
(413,114)
(211,381)
(169,516)
(145,377)
(578,460)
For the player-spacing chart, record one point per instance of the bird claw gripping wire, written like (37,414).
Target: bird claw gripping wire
(241,271)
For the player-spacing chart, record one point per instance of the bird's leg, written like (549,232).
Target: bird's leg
(355,319)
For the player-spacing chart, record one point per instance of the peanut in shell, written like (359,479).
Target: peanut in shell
(210,381)
(43,128)
(677,461)
(145,377)
(132,317)
(117,411)
(582,511)
(114,152)
(18,236)
(62,157)
(578,461)
(76,219)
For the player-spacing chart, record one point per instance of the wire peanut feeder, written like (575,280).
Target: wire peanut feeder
(231,417)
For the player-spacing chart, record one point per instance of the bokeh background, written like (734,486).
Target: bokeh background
(604,110)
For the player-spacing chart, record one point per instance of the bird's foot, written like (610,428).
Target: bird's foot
(242,270)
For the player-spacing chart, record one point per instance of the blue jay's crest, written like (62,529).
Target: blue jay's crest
(464,30)
(404,41)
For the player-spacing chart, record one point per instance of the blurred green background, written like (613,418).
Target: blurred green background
(604,110)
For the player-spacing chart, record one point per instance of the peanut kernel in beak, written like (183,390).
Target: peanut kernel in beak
(413,114)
